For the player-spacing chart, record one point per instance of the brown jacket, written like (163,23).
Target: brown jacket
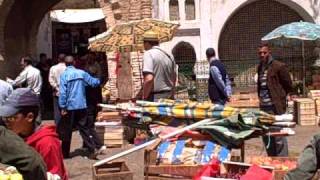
(279,84)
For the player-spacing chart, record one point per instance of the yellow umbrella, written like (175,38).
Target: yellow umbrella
(129,36)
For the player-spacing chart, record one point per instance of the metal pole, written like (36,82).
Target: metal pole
(304,69)
(179,131)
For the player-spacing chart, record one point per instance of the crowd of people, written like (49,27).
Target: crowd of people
(73,86)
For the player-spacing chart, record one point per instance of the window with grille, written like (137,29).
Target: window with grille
(190,10)
(174,10)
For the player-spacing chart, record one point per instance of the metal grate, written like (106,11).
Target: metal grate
(242,74)
(185,57)
(242,35)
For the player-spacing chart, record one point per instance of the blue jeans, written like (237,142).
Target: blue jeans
(275,146)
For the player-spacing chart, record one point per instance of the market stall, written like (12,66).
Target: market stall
(192,134)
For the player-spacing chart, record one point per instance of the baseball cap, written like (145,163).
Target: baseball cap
(22,97)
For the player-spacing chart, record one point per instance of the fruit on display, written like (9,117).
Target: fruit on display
(278,164)
(10,173)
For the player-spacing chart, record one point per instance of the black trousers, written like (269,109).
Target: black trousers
(92,114)
(56,110)
(78,119)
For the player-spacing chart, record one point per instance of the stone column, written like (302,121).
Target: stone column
(182,10)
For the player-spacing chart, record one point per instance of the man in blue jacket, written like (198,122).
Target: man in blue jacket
(72,101)
(219,85)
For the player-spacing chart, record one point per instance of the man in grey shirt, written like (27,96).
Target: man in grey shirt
(159,73)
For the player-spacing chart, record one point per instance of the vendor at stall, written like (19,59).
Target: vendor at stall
(159,73)
(274,84)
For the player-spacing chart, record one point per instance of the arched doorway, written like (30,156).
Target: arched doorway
(20,20)
(185,57)
(242,34)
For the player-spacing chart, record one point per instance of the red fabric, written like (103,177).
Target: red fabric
(210,170)
(46,142)
(257,173)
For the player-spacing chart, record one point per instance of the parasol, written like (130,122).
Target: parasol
(296,34)
(128,37)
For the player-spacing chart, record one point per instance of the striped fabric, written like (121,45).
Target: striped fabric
(198,111)
(229,126)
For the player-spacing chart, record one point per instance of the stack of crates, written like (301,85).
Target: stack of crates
(110,129)
(305,111)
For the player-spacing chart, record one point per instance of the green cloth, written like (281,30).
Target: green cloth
(15,152)
(308,163)
(232,131)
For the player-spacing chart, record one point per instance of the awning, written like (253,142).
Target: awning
(77,15)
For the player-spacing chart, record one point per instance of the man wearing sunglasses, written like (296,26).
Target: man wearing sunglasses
(19,113)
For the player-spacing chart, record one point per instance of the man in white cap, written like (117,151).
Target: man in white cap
(159,73)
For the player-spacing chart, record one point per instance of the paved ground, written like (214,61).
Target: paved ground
(80,168)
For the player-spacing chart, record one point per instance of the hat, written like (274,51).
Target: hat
(19,98)
(150,36)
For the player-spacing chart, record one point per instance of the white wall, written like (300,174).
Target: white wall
(193,40)
(211,16)
(44,37)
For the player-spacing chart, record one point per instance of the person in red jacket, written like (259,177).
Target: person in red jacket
(19,112)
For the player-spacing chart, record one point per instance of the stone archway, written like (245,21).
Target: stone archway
(20,19)
(185,56)
(242,34)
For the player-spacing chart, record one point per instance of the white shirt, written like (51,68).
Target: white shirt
(31,76)
(5,90)
(54,76)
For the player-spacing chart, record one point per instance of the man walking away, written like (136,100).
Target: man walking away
(54,80)
(72,101)
(159,72)
(274,84)
(93,94)
(219,85)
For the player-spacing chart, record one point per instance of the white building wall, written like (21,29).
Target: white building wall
(44,37)
(211,16)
